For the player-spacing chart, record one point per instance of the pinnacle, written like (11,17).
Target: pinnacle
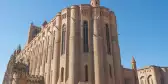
(133,59)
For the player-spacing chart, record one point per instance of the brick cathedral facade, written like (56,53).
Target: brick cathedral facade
(78,46)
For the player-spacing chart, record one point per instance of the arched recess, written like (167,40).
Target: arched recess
(63,39)
(86,72)
(62,74)
(142,80)
(149,79)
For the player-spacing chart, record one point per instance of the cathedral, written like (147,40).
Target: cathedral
(73,48)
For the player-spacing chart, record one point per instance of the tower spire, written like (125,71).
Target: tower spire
(133,59)
(133,62)
(134,68)
(95,3)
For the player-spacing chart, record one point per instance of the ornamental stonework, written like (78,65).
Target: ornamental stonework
(105,14)
(64,16)
(85,12)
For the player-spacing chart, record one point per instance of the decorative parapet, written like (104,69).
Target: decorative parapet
(35,79)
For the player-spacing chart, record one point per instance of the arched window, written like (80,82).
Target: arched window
(85,36)
(142,80)
(62,74)
(110,70)
(150,80)
(108,40)
(63,39)
(86,73)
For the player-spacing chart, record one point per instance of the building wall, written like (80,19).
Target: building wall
(57,51)
(164,75)
(151,75)
(145,74)
(129,76)
(100,64)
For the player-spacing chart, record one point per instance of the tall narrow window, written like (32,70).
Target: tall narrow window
(85,36)
(86,73)
(150,80)
(108,40)
(110,70)
(63,39)
(53,45)
(62,74)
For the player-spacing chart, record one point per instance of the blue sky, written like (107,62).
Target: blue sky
(141,25)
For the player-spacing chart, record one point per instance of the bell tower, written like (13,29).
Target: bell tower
(95,3)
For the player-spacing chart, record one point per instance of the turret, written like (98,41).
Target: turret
(95,3)
(18,50)
(33,31)
(44,24)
